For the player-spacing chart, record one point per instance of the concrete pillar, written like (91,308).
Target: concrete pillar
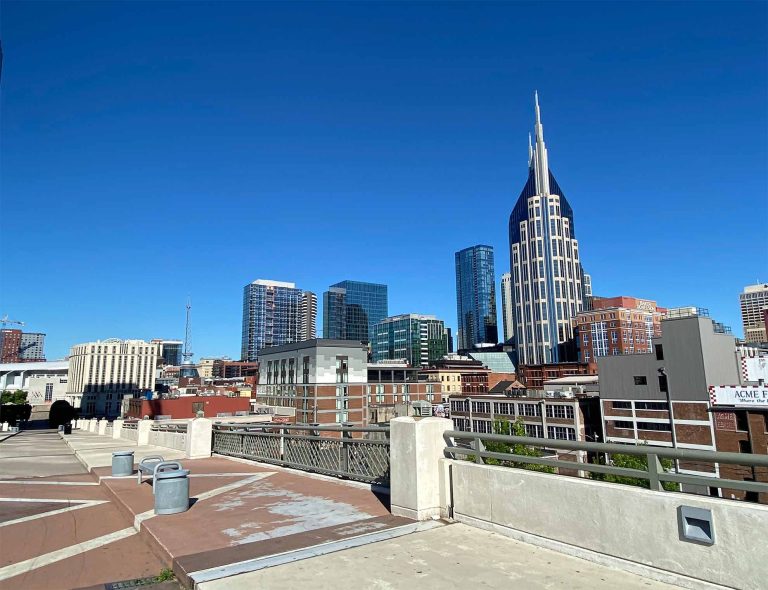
(416,447)
(5,426)
(102,428)
(142,428)
(117,428)
(199,438)
(92,425)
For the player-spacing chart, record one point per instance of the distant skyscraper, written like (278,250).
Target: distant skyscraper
(352,308)
(506,306)
(170,351)
(546,269)
(308,329)
(476,297)
(754,300)
(416,338)
(271,316)
(586,283)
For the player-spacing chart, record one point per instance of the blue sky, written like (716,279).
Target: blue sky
(155,151)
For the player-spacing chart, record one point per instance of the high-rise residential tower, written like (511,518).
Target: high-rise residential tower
(476,297)
(271,316)
(352,308)
(506,306)
(418,339)
(753,301)
(544,256)
(308,330)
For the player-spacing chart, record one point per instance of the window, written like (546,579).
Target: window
(659,426)
(650,406)
(561,433)
(48,392)
(663,383)
(305,370)
(505,408)
(483,426)
(622,405)
(558,411)
(529,409)
(481,407)
(641,380)
(626,424)
(458,405)
(534,430)
(659,352)
(461,424)
(342,369)
(742,423)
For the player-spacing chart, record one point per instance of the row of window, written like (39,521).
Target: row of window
(508,409)
(628,425)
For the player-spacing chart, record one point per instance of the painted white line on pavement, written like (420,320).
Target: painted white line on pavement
(49,483)
(77,505)
(28,565)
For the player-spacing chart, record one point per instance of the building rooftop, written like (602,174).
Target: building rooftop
(498,362)
(316,342)
(38,366)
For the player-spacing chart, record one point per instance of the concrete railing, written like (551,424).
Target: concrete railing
(172,435)
(689,540)
(129,431)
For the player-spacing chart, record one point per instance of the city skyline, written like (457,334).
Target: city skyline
(623,135)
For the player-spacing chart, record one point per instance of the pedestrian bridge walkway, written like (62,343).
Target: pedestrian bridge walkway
(68,524)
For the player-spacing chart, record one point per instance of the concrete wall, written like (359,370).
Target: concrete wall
(630,528)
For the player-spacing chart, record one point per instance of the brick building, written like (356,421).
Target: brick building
(534,376)
(617,325)
(328,382)
(458,374)
(682,395)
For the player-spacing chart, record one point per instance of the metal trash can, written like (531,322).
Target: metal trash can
(122,463)
(171,489)
(68,428)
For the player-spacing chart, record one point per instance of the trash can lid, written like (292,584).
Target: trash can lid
(172,474)
(121,453)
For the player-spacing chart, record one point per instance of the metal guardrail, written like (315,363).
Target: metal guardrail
(131,425)
(342,455)
(655,474)
(170,427)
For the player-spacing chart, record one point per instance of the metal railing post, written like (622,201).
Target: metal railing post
(478,446)
(654,469)
(345,437)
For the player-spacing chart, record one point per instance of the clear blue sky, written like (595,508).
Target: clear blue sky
(154,151)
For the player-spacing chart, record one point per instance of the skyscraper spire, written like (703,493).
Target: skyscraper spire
(530,151)
(542,165)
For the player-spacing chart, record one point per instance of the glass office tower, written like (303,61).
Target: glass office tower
(417,339)
(352,308)
(271,316)
(476,297)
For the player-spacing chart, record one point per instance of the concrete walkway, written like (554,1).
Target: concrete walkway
(450,557)
(95,451)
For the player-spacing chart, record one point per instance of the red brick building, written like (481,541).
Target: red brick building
(617,325)
(188,406)
(534,376)
(10,343)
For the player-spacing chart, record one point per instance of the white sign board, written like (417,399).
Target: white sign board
(740,397)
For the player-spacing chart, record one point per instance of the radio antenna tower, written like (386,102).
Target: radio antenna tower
(188,354)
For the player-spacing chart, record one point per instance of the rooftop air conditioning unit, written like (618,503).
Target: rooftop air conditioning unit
(422,409)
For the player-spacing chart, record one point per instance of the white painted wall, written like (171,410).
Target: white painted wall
(609,522)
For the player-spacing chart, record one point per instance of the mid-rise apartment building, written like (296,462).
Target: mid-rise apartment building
(21,347)
(329,381)
(104,373)
(417,339)
(754,300)
(617,325)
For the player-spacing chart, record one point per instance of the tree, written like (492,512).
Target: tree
(13,397)
(517,428)
(639,462)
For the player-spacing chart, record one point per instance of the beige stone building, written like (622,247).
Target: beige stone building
(103,373)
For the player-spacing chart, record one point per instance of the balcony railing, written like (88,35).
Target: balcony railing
(355,453)
(461,444)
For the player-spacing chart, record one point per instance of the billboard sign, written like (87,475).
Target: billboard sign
(738,396)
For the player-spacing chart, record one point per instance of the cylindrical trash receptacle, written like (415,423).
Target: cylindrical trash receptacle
(122,463)
(171,490)
(68,428)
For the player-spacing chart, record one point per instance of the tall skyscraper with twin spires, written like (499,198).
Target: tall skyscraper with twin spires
(547,276)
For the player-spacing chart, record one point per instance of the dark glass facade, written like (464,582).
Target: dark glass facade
(352,308)
(476,297)
(271,316)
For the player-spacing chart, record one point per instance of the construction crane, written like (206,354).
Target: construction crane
(5,321)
